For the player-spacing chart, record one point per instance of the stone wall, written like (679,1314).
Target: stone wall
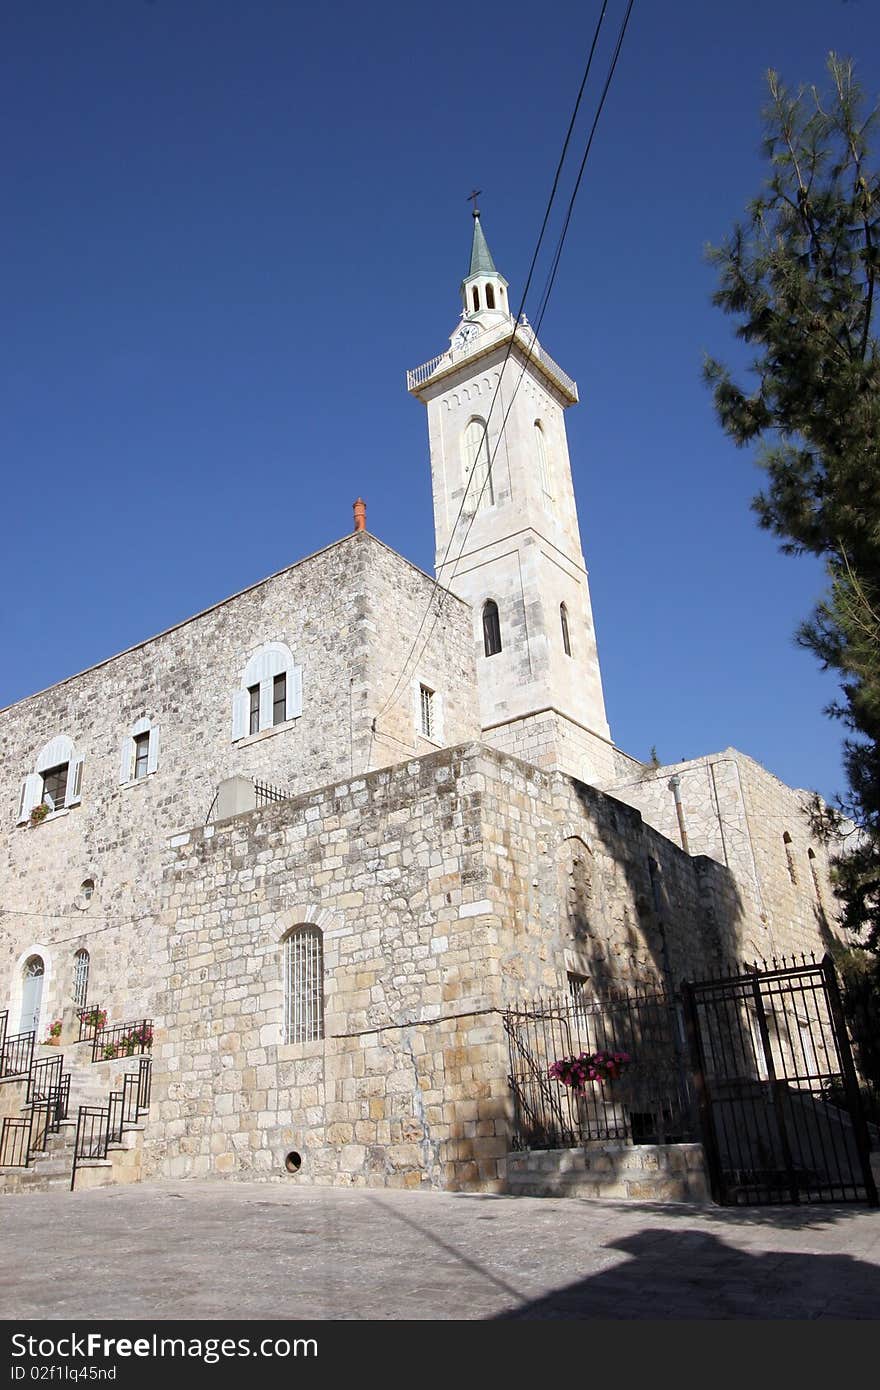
(439,887)
(347,614)
(738,814)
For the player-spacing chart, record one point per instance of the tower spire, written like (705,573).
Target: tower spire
(481,257)
(484,289)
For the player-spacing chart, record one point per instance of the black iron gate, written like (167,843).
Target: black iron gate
(776,1088)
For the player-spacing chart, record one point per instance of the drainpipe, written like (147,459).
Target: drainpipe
(675,788)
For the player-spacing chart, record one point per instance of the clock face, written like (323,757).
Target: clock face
(465,334)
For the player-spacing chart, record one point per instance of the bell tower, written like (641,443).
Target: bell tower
(506,529)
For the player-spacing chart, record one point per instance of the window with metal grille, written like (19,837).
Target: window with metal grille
(303,985)
(426,708)
(577,987)
(491,628)
(279,699)
(55,786)
(566,636)
(141,755)
(254,717)
(81,978)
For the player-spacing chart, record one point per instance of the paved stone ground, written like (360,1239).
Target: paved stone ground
(247,1250)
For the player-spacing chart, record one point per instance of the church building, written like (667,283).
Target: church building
(319,836)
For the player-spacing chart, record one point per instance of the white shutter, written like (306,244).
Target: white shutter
(73,794)
(240,701)
(153,749)
(31,794)
(266,702)
(126,759)
(294,707)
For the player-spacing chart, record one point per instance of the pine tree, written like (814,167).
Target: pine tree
(802,276)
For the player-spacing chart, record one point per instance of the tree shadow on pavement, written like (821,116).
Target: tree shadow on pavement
(694,1274)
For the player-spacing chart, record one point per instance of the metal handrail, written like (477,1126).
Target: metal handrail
(18,1053)
(123,1040)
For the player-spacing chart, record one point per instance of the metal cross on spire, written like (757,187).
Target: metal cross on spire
(472,198)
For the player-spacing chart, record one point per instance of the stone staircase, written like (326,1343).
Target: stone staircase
(90,1085)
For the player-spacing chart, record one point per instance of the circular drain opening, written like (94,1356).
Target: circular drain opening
(293,1162)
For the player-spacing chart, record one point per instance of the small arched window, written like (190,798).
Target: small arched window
(578,887)
(566,635)
(477,469)
(789,856)
(814,872)
(475,296)
(490,297)
(491,628)
(81,979)
(303,985)
(543,466)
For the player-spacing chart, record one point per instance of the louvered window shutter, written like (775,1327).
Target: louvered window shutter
(294,692)
(126,759)
(239,714)
(153,750)
(73,795)
(266,702)
(31,795)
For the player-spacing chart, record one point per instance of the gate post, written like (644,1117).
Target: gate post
(704,1107)
(850,1081)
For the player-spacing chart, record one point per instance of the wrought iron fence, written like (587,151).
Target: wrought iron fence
(122,1040)
(18,1053)
(91,1020)
(15,1141)
(145,1083)
(123,1108)
(266,793)
(648,1101)
(45,1073)
(781,1114)
(92,1136)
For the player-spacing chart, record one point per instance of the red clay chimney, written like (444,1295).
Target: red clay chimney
(360,515)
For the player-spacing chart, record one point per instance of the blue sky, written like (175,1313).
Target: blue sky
(230,228)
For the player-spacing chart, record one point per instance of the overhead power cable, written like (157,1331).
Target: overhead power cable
(391,700)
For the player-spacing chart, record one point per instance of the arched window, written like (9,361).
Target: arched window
(475,296)
(566,636)
(270,693)
(578,887)
(139,752)
(303,985)
(477,472)
(32,993)
(81,979)
(56,781)
(491,628)
(814,872)
(789,856)
(543,467)
(490,297)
